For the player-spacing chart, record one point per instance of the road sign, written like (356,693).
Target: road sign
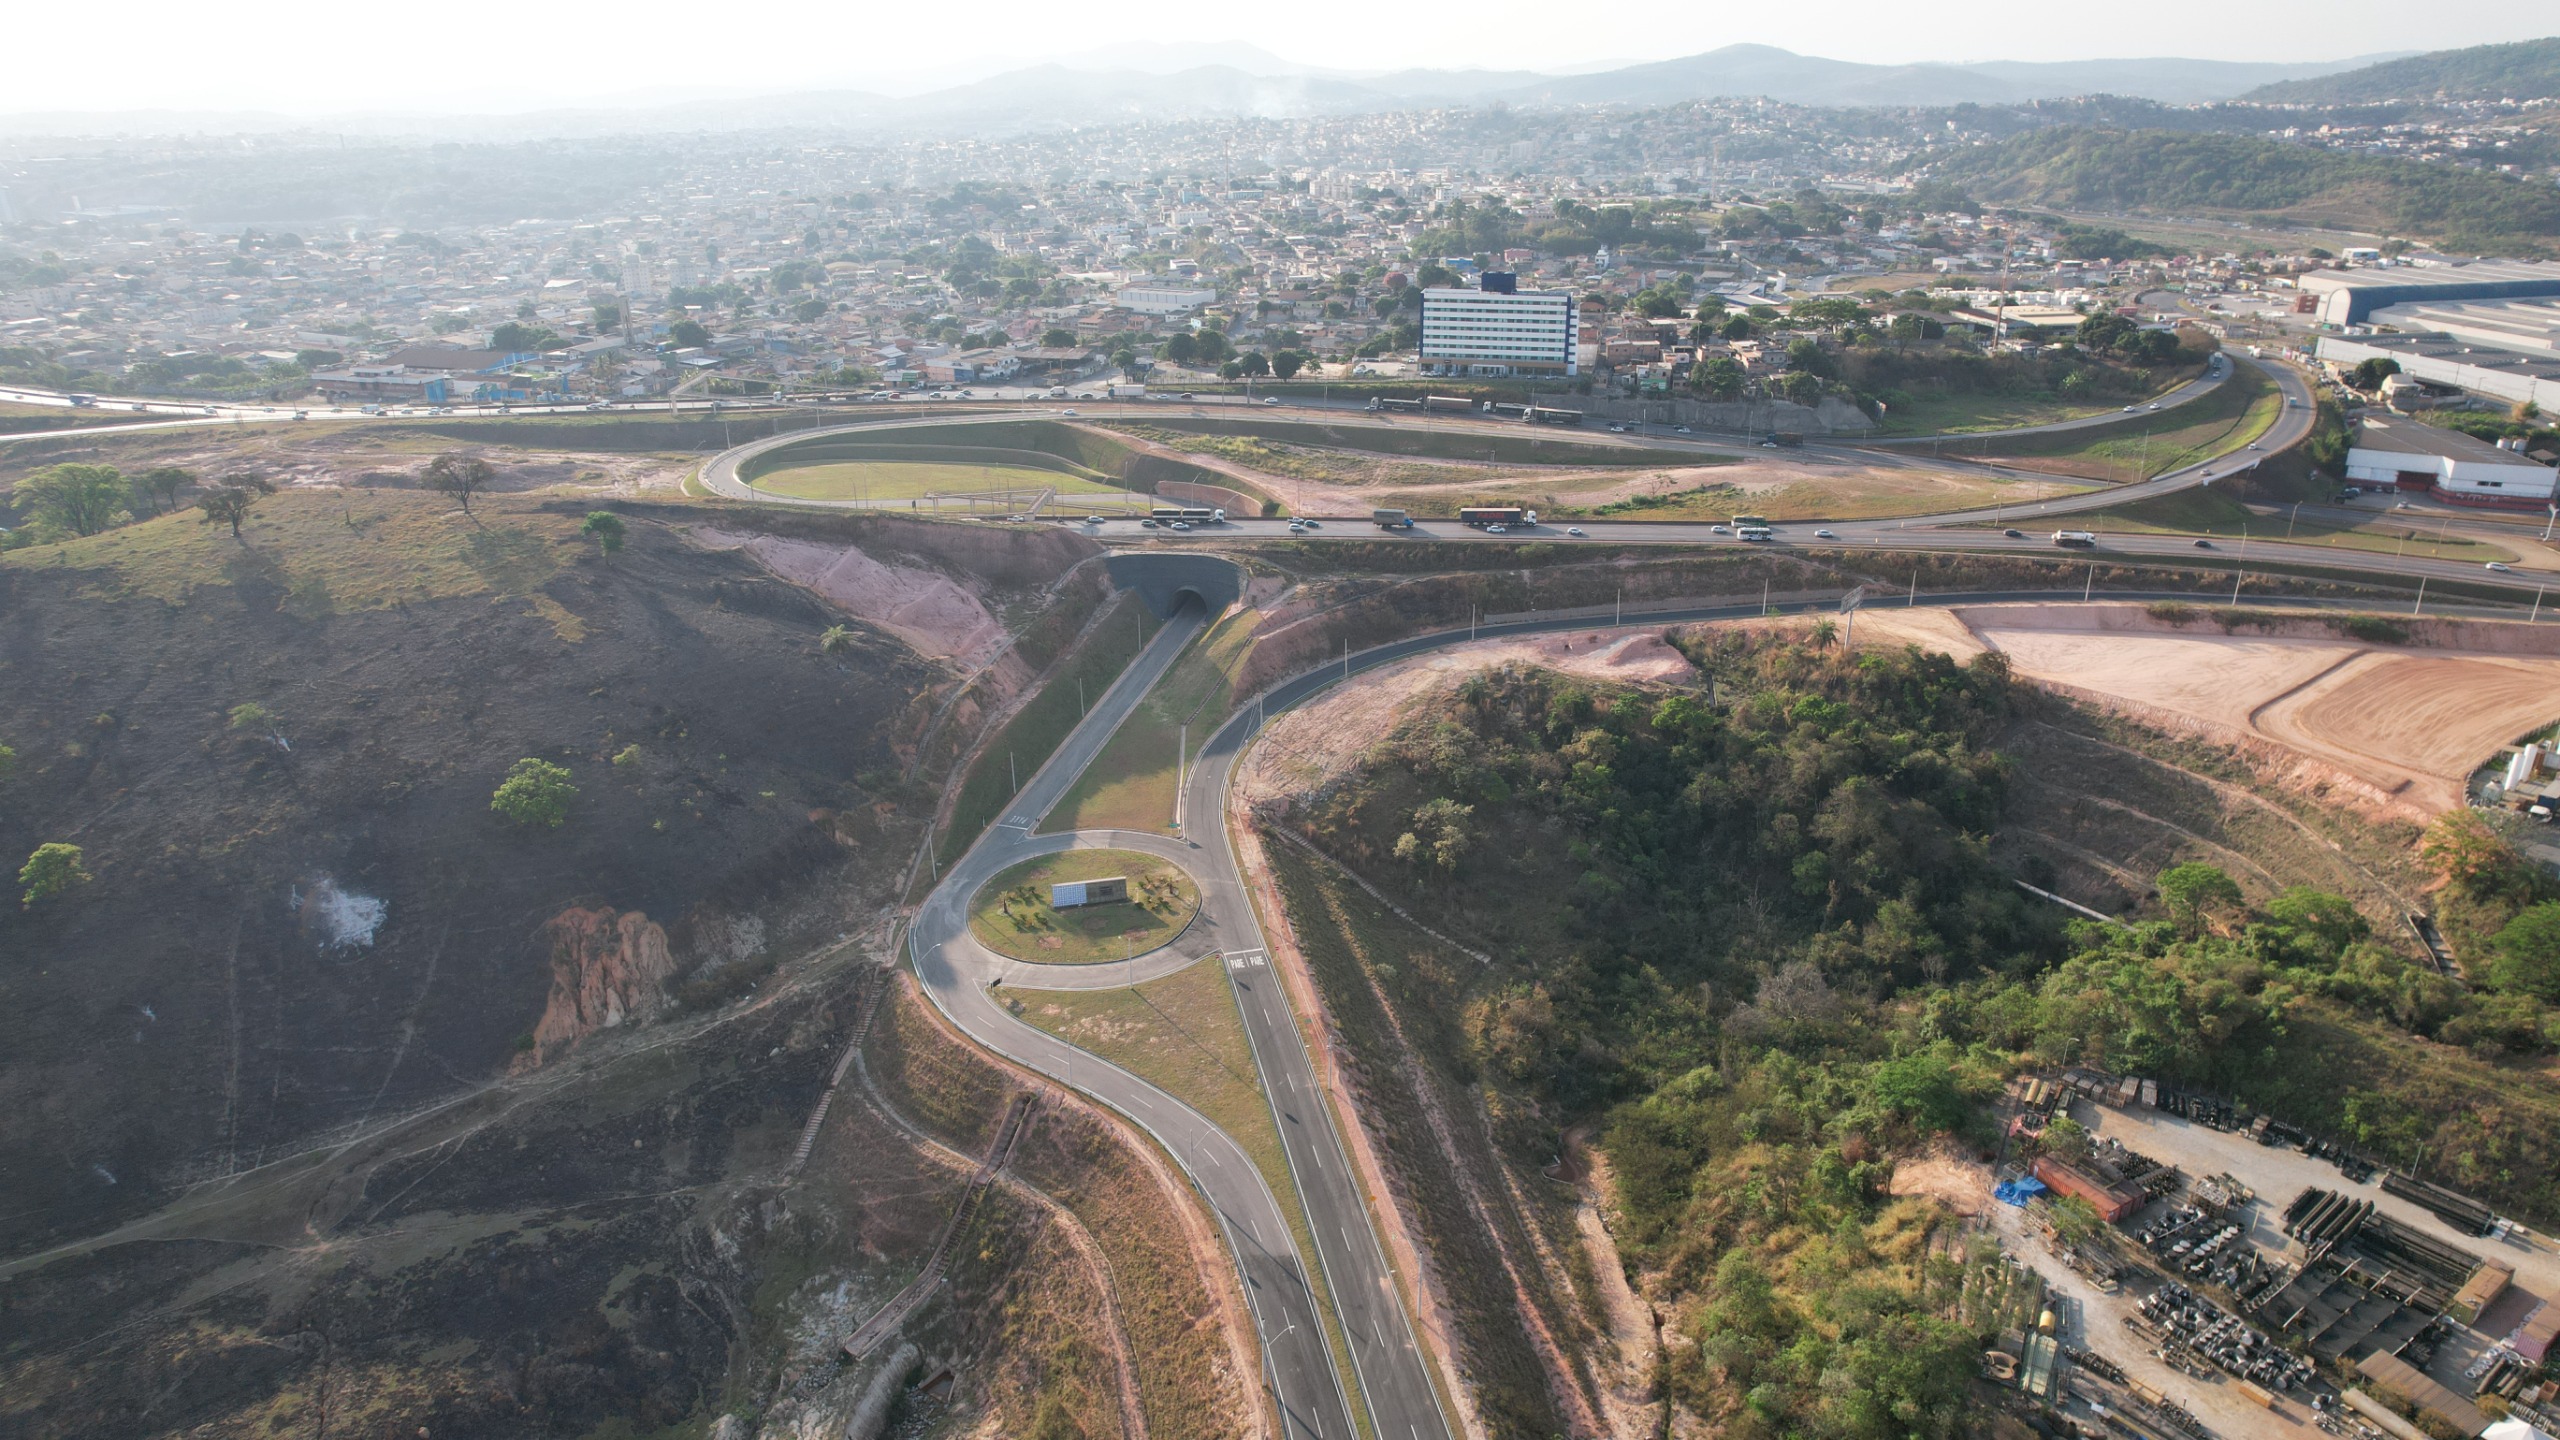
(1853,599)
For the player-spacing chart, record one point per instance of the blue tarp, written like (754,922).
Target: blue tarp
(2017,1192)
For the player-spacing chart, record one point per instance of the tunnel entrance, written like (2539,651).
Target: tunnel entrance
(1168,582)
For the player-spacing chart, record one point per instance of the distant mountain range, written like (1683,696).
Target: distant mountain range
(1153,83)
(2526,70)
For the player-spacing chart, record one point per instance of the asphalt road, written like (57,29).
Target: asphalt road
(969,984)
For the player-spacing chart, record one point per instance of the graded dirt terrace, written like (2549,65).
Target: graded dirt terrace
(2400,726)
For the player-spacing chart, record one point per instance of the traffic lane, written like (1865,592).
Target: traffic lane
(1384,1350)
(2167,400)
(1299,1364)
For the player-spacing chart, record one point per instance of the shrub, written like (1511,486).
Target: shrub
(52,869)
(535,792)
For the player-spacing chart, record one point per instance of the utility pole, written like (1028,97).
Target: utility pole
(2089,584)
(1621,617)
(2422,596)
(2537,605)
(1181,753)
(1013,769)
(2288,524)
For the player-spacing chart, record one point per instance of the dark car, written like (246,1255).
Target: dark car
(2204,544)
(2015,534)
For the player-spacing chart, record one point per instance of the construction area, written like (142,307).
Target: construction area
(2244,1279)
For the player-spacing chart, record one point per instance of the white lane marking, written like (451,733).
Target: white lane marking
(1241,960)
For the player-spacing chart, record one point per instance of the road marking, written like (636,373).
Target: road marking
(1242,960)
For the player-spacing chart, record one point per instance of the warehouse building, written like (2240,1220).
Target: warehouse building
(1499,329)
(2405,455)
(2349,297)
(2510,376)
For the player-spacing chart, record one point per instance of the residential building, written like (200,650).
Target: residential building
(1500,330)
(392,384)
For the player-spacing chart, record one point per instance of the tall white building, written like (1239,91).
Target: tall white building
(1498,331)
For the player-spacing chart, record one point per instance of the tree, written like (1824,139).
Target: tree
(517,338)
(605,528)
(52,869)
(1126,360)
(75,498)
(2066,1139)
(1180,348)
(688,335)
(1058,338)
(2369,374)
(1738,328)
(161,484)
(8,761)
(230,502)
(1287,363)
(838,640)
(1711,308)
(459,475)
(1723,377)
(608,314)
(2528,953)
(535,792)
(2074,1219)
(2190,889)
(1254,363)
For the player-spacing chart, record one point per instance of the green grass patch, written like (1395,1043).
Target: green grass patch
(1183,1035)
(1958,414)
(1129,786)
(2149,443)
(1011,914)
(1487,441)
(913,479)
(1035,731)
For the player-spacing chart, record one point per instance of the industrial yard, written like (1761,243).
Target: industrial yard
(2252,1281)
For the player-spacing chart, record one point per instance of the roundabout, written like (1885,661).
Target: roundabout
(1017,913)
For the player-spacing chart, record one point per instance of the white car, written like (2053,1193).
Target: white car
(1070,410)
(1270,399)
(1574,530)
(1721,529)
(2502,568)
(1497,529)
(1181,524)
(1824,535)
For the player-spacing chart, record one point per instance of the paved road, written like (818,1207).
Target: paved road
(968,984)
(2195,389)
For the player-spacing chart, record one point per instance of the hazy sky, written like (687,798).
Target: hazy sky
(305,58)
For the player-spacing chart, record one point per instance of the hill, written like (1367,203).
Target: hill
(2525,70)
(2160,170)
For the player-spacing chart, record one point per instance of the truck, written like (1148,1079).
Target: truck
(1391,519)
(1480,516)
(1128,392)
(2075,539)
(82,401)
(1394,402)
(1448,404)
(1194,514)
(1549,415)
(1507,409)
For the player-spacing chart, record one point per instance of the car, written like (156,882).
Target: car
(2015,534)
(1574,530)
(599,405)
(1297,527)
(143,408)
(1721,529)
(1069,411)
(2501,567)
(1768,444)
(1497,529)
(2254,445)
(1147,524)
(2154,405)
(1824,535)
(1187,395)
(2204,544)
(1617,429)
(2129,409)
(1679,429)
(1313,524)
(1181,524)
(301,414)
(1270,399)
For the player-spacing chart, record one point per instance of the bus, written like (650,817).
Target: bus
(1196,514)
(1741,520)
(1542,415)
(2080,539)
(1754,532)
